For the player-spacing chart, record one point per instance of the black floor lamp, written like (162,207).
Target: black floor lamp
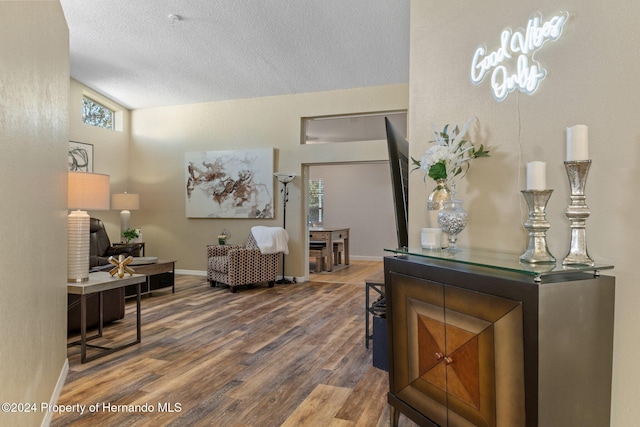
(285,179)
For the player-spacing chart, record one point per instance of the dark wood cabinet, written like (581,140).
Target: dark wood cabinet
(160,274)
(472,345)
(453,338)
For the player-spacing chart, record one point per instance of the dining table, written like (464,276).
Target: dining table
(329,235)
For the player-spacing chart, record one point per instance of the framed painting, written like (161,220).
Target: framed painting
(80,157)
(229,184)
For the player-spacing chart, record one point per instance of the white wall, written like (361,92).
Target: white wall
(592,79)
(34,90)
(359,196)
(110,151)
(161,136)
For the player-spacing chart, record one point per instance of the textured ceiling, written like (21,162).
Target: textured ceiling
(131,51)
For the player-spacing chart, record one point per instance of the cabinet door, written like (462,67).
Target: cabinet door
(457,354)
(417,372)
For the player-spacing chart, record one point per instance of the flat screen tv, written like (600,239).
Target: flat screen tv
(399,166)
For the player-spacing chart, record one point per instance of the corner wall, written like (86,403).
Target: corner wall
(592,80)
(34,91)
(110,151)
(161,136)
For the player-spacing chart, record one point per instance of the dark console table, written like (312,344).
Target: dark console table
(476,338)
(160,274)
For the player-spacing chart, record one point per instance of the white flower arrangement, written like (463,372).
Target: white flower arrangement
(451,155)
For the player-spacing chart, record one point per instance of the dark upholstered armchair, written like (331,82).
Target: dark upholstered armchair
(100,250)
(100,245)
(236,265)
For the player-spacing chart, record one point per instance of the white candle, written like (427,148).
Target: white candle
(577,143)
(536,175)
(431,238)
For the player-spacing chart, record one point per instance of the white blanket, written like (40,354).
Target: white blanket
(271,240)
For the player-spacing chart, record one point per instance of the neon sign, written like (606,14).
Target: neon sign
(512,65)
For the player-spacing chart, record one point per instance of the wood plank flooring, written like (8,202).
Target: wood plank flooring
(292,355)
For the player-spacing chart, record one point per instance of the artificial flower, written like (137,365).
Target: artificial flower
(450,155)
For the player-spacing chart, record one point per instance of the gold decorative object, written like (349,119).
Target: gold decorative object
(436,200)
(121,265)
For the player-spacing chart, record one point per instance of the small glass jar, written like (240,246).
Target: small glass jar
(452,219)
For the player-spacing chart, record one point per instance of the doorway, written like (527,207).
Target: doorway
(358,196)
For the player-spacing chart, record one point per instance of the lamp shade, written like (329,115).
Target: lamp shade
(285,177)
(88,191)
(125,201)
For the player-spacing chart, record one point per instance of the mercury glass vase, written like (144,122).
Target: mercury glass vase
(452,219)
(436,200)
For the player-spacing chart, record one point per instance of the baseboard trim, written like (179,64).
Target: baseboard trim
(300,279)
(192,272)
(366,258)
(62,378)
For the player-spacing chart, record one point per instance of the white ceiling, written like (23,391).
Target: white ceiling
(131,51)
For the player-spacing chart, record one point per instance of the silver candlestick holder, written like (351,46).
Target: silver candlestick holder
(578,212)
(537,251)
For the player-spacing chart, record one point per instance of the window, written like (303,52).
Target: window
(96,114)
(316,203)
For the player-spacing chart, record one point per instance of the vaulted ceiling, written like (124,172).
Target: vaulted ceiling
(151,53)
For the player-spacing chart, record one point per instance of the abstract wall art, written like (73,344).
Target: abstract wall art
(229,184)
(80,157)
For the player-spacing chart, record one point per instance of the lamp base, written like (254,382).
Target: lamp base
(78,225)
(285,281)
(125,220)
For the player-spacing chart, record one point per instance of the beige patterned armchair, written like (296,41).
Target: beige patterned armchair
(236,265)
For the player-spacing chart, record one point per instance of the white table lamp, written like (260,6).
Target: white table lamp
(85,191)
(125,202)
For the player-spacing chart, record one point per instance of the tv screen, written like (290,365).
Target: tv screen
(399,166)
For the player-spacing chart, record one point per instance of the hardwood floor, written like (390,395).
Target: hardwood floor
(292,355)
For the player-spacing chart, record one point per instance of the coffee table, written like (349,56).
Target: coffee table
(159,274)
(99,282)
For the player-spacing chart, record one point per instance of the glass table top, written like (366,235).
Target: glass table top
(498,260)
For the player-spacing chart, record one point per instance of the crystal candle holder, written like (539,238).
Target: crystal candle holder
(537,225)
(578,212)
